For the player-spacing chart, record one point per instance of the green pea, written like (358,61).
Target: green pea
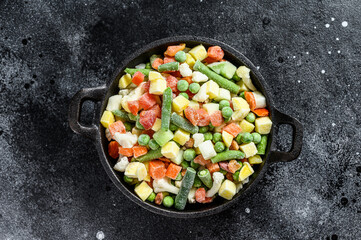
(219,147)
(184,95)
(143,139)
(217,137)
(180,56)
(153,144)
(224,103)
(151,197)
(239,138)
(256,137)
(182,85)
(194,165)
(184,164)
(189,154)
(128,179)
(128,126)
(148,65)
(236,176)
(132,117)
(138,124)
(242,95)
(247,137)
(251,117)
(208,136)
(227,112)
(194,87)
(203,129)
(173,127)
(168,201)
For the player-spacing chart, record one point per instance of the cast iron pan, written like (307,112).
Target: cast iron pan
(95,131)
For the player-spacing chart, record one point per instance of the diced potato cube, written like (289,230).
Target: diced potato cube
(227,138)
(201,95)
(211,107)
(240,114)
(212,89)
(157,86)
(181,136)
(239,103)
(141,172)
(256,159)
(131,169)
(107,119)
(243,86)
(245,171)
(153,75)
(223,94)
(124,81)
(114,103)
(199,52)
(227,189)
(190,60)
(199,77)
(147,178)
(180,103)
(249,149)
(207,149)
(263,125)
(193,104)
(143,190)
(157,125)
(246,126)
(198,139)
(179,158)
(170,150)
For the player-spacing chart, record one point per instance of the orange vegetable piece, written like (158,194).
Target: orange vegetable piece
(234,145)
(139,151)
(244,160)
(128,152)
(173,170)
(183,172)
(261,112)
(133,107)
(117,126)
(215,53)
(200,195)
(159,198)
(192,115)
(233,166)
(147,101)
(210,60)
(113,149)
(250,99)
(213,167)
(146,86)
(156,110)
(164,159)
(189,143)
(204,118)
(138,78)
(157,169)
(232,129)
(172,50)
(157,62)
(229,176)
(168,59)
(216,118)
(172,83)
(200,160)
(147,119)
(188,79)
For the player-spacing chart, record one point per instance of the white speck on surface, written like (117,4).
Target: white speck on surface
(323,71)
(314,27)
(344,24)
(307,53)
(327,25)
(333,124)
(294,56)
(299,81)
(337,39)
(339,51)
(332,19)
(257,67)
(329,52)
(357,153)
(100,235)
(325,111)
(247,210)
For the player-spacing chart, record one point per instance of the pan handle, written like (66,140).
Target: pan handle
(93,94)
(278,119)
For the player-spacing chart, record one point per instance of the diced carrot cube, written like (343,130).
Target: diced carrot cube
(113,149)
(133,107)
(233,129)
(172,50)
(215,53)
(250,99)
(157,62)
(168,59)
(117,126)
(147,101)
(173,170)
(204,118)
(261,112)
(200,195)
(147,118)
(213,167)
(157,169)
(138,78)
(139,151)
(192,115)
(128,152)
(216,118)
(200,160)
(172,83)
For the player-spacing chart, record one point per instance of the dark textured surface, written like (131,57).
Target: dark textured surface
(54,187)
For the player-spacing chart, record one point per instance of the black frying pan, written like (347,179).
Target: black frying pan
(96,131)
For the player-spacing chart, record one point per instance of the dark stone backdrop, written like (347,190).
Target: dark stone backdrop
(52,184)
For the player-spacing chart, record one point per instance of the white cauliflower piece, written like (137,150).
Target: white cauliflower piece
(126,140)
(108,135)
(217,182)
(185,70)
(114,103)
(199,77)
(164,185)
(202,95)
(121,164)
(178,184)
(260,100)
(198,139)
(140,66)
(207,149)
(192,195)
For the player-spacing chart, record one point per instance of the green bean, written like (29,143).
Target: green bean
(131,71)
(205,177)
(170,66)
(221,81)
(187,183)
(261,147)
(183,123)
(227,155)
(121,114)
(152,154)
(166,108)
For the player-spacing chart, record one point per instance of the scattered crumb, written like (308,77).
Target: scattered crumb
(337,39)
(247,210)
(344,24)
(327,25)
(314,27)
(100,235)
(339,51)
(307,53)
(333,124)
(299,81)
(329,52)
(332,19)
(294,56)
(323,71)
